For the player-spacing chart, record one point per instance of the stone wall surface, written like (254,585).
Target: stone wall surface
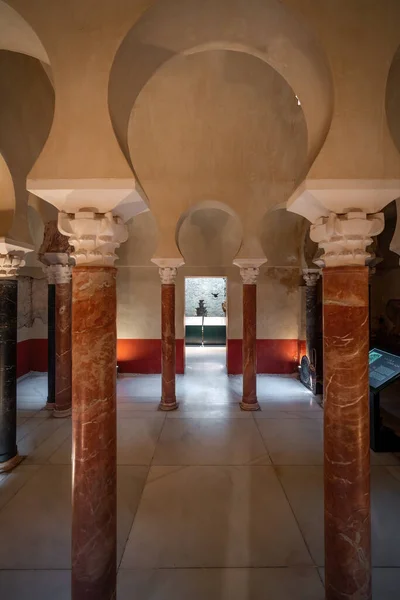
(24,302)
(32,301)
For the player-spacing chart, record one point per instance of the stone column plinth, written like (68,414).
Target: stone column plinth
(94,237)
(168,271)
(9,264)
(249,272)
(346,404)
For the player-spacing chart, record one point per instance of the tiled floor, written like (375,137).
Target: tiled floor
(212,502)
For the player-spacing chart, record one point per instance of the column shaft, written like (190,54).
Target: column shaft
(168,347)
(94,433)
(51,346)
(346,434)
(63,367)
(249,400)
(311,321)
(8,374)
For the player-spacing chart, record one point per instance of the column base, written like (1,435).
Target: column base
(50,405)
(62,414)
(249,406)
(10,464)
(168,406)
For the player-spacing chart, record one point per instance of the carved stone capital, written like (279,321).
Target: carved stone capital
(94,236)
(249,275)
(345,238)
(50,275)
(168,275)
(9,265)
(12,256)
(168,269)
(249,269)
(311,277)
(55,258)
(57,274)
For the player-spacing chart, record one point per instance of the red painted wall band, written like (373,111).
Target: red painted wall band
(31,356)
(144,356)
(273,356)
(279,357)
(276,357)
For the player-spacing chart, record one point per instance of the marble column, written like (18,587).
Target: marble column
(311,277)
(94,431)
(63,341)
(346,432)
(9,457)
(51,340)
(249,275)
(54,254)
(344,239)
(168,344)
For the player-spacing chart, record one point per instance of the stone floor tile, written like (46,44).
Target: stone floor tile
(304,489)
(136,441)
(205,442)
(40,443)
(214,517)
(220,584)
(293,441)
(35,525)
(11,483)
(35,585)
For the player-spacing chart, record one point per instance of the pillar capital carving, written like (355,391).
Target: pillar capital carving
(311,277)
(58,274)
(94,236)
(168,269)
(249,275)
(55,258)
(9,265)
(345,238)
(56,266)
(168,275)
(12,255)
(249,269)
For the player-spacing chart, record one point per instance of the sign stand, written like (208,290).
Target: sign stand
(384,369)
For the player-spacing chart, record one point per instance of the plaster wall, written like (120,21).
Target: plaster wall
(32,325)
(26,111)
(249,163)
(360,39)
(278,297)
(139,315)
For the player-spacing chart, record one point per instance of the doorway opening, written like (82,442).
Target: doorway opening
(205,324)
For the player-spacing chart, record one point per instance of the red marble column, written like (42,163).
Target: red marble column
(94,433)
(168,347)
(346,433)
(249,400)
(63,343)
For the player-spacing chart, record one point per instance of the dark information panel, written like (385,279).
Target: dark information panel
(384,368)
